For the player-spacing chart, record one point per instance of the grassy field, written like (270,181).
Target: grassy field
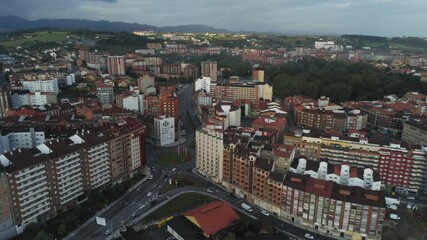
(180,204)
(181,181)
(172,157)
(42,36)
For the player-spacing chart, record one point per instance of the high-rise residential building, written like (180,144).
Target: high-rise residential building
(54,175)
(25,98)
(209,152)
(258,74)
(105,93)
(402,167)
(203,84)
(415,132)
(209,69)
(127,150)
(41,85)
(15,137)
(116,65)
(4,101)
(7,228)
(335,199)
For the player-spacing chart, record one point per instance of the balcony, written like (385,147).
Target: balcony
(35,175)
(39,207)
(44,196)
(64,177)
(34,187)
(29,171)
(71,195)
(31,182)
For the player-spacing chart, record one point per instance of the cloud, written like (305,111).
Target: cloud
(375,17)
(107,1)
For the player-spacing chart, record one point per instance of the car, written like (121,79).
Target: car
(265,213)
(149,194)
(133,214)
(210,190)
(309,236)
(173,169)
(166,179)
(108,232)
(151,177)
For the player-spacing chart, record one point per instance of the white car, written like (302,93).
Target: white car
(309,236)
(265,213)
(173,169)
(149,194)
(108,232)
(151,177)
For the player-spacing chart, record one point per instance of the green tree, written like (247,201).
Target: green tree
(42,235)
(62,230)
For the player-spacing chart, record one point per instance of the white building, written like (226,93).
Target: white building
(46,85)
(134,102)
(341,174)
(203,83)
(164,130)
(232,115)
(265,91)
(18,137)
(321,44)
(32,99)
(209,152)
(71,79)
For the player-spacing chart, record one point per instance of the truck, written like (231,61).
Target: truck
(246,207)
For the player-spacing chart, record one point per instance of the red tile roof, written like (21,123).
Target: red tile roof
(212,217)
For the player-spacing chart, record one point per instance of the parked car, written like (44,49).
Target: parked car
(309,236)
(108,232)
(265,213)
(210,190)
(173,169)
(151,177)
(149,194)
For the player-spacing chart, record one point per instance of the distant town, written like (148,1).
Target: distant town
(151,135)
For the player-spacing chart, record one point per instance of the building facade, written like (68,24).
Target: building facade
(116,65)
(209,152)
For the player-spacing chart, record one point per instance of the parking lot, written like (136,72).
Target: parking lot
(407,227)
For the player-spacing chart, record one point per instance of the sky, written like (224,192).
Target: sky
(370,17)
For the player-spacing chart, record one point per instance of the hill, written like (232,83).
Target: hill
(12,22)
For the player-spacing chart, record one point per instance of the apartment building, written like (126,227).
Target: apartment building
(332,208)
(15,137)
(116,65)
(237,91)
(53,176)
(209,69)
(314,194)
(127,149)
(209,152)
(41,85)
(7,228)
(33,99)
(131,101)
(415,132)
(166,103)
(105,93)
(401,166)
(4,101)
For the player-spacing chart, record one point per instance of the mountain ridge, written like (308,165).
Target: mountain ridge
(16,23)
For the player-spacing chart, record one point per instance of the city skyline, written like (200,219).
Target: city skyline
(378,17)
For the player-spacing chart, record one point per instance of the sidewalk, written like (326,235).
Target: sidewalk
(102,211)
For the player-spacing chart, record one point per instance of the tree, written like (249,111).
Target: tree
(62,230)
(42,235)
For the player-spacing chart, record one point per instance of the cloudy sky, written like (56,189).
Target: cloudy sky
(373,17)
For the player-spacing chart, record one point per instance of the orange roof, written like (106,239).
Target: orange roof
(212,217)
